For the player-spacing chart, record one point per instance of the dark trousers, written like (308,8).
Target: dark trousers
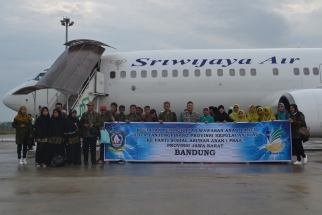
(102,152)
(24,149)
(41,153)
(298,149)
(74,154)
(89,143)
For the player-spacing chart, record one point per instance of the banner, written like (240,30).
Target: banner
(199,142)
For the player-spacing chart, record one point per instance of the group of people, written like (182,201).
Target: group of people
(61,133)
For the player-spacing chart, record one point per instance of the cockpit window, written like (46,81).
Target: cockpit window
(39,76)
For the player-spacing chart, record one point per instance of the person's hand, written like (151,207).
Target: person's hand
(38,140)
(22,126)
(160,121)
(90,125)
(112,118)
(127,121)
(49,141)
(206,122)
(291,120)
(86,126)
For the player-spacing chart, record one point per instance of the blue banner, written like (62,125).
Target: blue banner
(199,142)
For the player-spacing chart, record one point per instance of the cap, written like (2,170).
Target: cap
(90,103)
(103,107)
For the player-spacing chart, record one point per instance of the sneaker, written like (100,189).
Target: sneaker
(305,159)
(20,161)
(297,163)
(43,165)
(24,161)
(37,164)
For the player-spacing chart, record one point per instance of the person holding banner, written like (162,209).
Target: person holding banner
(260,113)
(268,114)
(167,115)
(297,121)
(234,115)
(189,115)
(241,117)
(282,114)
(133,117)
(252,114)
(121,116)
(206,118)
(148,116)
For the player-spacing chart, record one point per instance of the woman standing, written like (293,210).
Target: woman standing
(297,120)
(56,136)
(268,114)
(23,126)
(221,115)
(234,115)
(41,136)
(252,114)
(241,117)
(72,132)
(282,114)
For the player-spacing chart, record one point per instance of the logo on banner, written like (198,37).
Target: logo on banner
(117,141)
(274,141)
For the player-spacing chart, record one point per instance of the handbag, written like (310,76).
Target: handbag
(95,131)
(105,137)
(304,133)
(57,161)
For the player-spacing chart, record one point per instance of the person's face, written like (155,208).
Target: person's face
(205,112)
(74,114)
(121,110)
(252,109)
(236,108)
(23,111)
(166,107)
(133,110)
(190,107)
(45,112)
(59,107)
(138,111)
(40,109)
(55,114)
(280,108)
(240,114)
(103,111)
(147,111)
(266,112)
(221,110)
(90,107)
(292,109)
(260,112)
(113,109)
(211,111)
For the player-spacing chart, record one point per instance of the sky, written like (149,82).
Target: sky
(31,36)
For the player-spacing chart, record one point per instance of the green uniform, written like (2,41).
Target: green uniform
(298,121)
(88,118)
(171,117)
(189,117)
(133,118)
(107,117)
(208,118)
(121,117)
(149,118)
(22,133)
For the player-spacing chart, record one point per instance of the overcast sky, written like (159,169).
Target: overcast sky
(31,36)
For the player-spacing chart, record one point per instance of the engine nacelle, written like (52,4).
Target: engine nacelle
(309,101)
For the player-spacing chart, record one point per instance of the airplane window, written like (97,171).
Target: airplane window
(133,74)
(208,72)
(175,73)
(123,74)
(242,72)
(306,71)
(164,73)
(39,76)
(197,72)
(185,73)
(154,73)
(112,74)
(220,72)
(253,72)
(296,71)
(316,71)
(232,72)
(275,71)
(144,73)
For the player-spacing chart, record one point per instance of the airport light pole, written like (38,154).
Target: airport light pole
(66,22)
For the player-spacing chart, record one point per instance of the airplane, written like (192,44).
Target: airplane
(208,77)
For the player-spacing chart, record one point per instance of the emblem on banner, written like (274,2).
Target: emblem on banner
(274,141)
(117,141)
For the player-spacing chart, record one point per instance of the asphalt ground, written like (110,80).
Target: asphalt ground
(164,188)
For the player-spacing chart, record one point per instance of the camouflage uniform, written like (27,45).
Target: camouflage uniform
(133,118)
(149,118)
(298,121)
(187,117)
(22,133)
(171,117)
(56,140)
(120,117)
(88,118)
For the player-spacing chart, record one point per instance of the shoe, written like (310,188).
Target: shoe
(305,159)
(106,162)
(37,165)
(297,163)
(121,161)
(85,163)
(43,165)
(24,161)
(20,161)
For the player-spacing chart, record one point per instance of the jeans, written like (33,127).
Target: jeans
(23,147)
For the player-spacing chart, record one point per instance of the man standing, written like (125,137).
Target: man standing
(149,117)
(59,106)
(121,116)
(206,118)
(139,111)
(189,115)
(111,114)
(167,115)
(90,119)
(133,117)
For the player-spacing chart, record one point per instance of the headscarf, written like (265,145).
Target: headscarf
(221,117)
(72,124)
(41,106)
(42,124)
(57,124)
(260,117)
(271,115)
(23,117)
(283,111)
(234,114)
(243,119)
(252,117)
(207,109)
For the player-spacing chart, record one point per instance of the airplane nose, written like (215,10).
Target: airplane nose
(12,101)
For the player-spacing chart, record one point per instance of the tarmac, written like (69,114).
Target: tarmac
(161,188)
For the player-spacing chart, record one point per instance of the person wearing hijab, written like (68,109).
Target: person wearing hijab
(23,126)
(234,115)
(282,114)
(268,114)
(41,135)
(73,132)
(206,118)
(230,110)
(260,114)
(56,136)
(297,121)
(221,115)
(252,114)
(241,116)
